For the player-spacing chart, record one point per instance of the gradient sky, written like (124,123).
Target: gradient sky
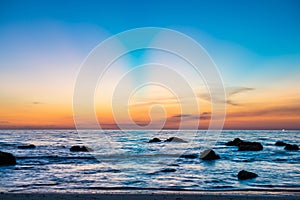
(255,45)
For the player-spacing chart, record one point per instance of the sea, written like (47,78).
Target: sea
(124,160)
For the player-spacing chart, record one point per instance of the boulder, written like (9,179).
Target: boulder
(280,143)
(243,175)
(7,159)
(154,140)
(291,147)
(190,156)
(209,154)
(79,149)
(250,146)
(235,142)
(30,146)
(175,139)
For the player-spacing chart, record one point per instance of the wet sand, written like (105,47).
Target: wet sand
(146,196)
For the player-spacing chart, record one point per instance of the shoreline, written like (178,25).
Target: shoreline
(133,190)
(157,195)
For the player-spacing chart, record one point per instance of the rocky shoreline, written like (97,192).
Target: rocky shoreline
(7,159)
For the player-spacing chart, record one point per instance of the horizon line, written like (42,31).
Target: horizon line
(172,129)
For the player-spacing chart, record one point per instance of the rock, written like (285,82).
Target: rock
(280,143)
(209,154)
(154,140)
(250,146)
(191,156)
(31,146)
(243,175)
(79,149)
(174,165)
(7,159)
(168,170)
(175,139)
(235,142)
(245,146)
(291,147)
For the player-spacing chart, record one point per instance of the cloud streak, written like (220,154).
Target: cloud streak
(152,101)
(278,111)
(202,116)
(229,93)
(236,90)
(37,103)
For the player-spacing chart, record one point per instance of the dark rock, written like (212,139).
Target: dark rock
(235,142)
(168,170)
(175,139)
(209,154)
(245,146)
(191,156)
(154,140)
(291,147)
(247,160)
(280,143)
(250,146)
(7,159)
(174,165)
(243,175)
(79,149)
(31,146)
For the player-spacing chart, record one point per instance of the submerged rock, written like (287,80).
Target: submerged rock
(175,139)
(190,156)
(209,154)
(235,142)
(174,165)
(250,146)
(7,159)
(291,147)
(154,140)
(30,146)
(243,175)
(168,170)
(280,143)
(79,149)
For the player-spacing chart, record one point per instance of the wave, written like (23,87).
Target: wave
(56,157)
(176,188)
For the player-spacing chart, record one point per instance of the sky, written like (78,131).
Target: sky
(254,44)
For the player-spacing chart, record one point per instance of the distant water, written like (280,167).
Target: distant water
(127,161)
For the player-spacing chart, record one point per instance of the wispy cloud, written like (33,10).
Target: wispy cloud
(152,101)
(202,116)
(4,122)
(233,103)
(236,90)
(181,116)
(279,111)
(206,96)
(229,93)
(37,102)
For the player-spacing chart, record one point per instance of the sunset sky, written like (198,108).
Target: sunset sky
(254,44)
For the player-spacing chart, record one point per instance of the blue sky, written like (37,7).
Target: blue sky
(256,25)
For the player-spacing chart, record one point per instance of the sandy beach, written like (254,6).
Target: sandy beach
(147,196)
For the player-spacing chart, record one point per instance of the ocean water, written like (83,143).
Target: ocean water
(124,160)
